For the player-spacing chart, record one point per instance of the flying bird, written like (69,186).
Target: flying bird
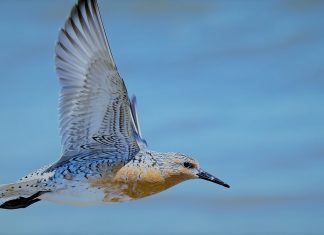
(104,157)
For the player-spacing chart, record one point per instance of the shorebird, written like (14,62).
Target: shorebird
(104,157)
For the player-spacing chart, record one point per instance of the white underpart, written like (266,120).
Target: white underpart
(79,195)
(82,194)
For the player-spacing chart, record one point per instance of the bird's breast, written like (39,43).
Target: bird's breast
(135,182)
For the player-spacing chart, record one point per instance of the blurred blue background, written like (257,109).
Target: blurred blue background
(239,85)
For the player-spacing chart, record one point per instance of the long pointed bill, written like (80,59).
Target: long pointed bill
(206,176)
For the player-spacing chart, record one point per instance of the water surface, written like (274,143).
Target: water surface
(238,85)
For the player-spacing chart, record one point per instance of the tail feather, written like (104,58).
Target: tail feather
(20,195)
(21,202)
(26,191)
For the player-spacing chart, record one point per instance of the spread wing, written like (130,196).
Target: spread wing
(95,111)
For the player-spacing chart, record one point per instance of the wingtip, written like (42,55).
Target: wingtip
(134,99)
(74,10)
(80,2)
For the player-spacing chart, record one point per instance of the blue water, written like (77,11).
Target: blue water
(236,84)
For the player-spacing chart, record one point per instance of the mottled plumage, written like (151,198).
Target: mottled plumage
(104,157)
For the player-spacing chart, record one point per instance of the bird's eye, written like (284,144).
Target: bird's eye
(188,165)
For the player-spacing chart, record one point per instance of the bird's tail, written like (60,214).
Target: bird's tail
(19,195)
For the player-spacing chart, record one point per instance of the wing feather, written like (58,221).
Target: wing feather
(135,121)
(95,111)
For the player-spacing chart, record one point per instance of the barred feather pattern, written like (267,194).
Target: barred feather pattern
(94,106)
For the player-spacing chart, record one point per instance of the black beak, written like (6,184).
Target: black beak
(206,176)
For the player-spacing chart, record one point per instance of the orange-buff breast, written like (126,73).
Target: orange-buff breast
(138,182)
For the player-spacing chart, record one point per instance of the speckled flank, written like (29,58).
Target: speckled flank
(28,185)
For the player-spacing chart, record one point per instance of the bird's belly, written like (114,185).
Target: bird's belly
(84,195)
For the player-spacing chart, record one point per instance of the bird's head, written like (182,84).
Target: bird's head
(179,167)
